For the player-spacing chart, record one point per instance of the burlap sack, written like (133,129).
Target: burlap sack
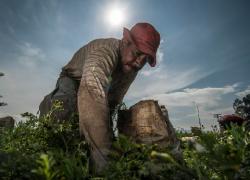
(147,122)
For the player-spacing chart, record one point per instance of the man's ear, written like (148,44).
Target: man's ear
(126,36)
(126,42)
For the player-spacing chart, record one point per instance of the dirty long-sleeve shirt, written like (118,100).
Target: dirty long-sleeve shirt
(99,64)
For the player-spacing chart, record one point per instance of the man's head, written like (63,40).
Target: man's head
(139,45)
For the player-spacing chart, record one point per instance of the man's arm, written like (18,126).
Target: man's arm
(92,104)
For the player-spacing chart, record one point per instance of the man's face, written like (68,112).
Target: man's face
(132,58)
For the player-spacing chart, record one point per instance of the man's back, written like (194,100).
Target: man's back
(74,68)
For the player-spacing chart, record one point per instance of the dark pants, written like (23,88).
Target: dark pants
(93,116)
(66,92)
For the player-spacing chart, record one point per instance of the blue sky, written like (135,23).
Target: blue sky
(203,60)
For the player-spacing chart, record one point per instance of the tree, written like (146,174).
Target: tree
(2,103)
(242,107)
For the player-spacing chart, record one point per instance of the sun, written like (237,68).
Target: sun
(115,16)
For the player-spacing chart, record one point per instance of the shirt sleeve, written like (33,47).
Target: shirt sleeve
(96,72)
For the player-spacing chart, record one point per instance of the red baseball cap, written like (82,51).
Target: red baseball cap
(146,38)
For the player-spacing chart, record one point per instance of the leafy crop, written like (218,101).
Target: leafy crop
(222,156)
(44,148)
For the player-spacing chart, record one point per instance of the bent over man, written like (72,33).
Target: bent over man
(96,80)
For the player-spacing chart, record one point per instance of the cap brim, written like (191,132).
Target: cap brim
(149,52)
(153,63)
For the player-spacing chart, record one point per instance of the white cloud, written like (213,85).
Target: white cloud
(205,97)
(163,80)
(159,64)
(23,89)
(160,54)
(241,94)
(30,55)
(182,105)
(26,82)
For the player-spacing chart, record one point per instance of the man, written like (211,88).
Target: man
(96,80)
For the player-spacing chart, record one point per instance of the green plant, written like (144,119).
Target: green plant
(225,155)
(39,147)
(139,161)
(43,148)
(46,167)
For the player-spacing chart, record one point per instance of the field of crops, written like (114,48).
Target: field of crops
(45,149)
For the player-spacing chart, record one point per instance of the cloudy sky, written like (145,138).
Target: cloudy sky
(203,60)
